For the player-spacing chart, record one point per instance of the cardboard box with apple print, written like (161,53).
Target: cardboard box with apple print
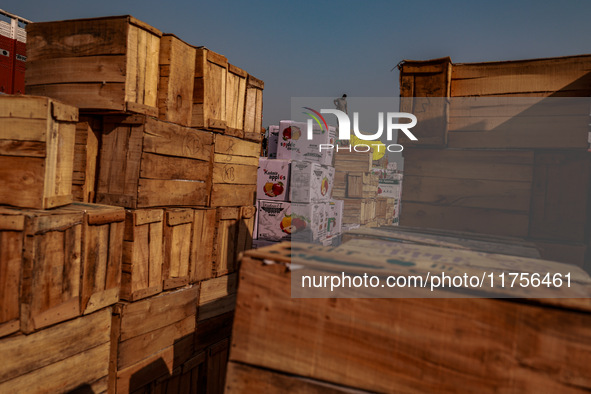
(273,179)
(293,143)
(310,182)
(280,221)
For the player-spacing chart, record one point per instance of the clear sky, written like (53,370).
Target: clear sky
(326,48)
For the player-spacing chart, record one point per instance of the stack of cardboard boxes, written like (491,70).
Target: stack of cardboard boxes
(294,187)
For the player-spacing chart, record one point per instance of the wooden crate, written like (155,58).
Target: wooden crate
(151,337)
(209,92)
(235,97)
(104,64)
(36,151)
(461,190)
(12,233)
(235,227)
(420,82)
(102,246)
(235,166)
(177,76)
(448,239)
(178,237)
(217,361)
(68,356)
(85,157)
(244,378)
(217,298)
(410,354)
(202,253)
(189,378)
(50,267)
(353,161)
(146,162)
(142,254)
(362,185)
(359,211)
(253,109)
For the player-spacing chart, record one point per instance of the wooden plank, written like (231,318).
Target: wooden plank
(177,74)
(479,220)
(163,310)
(388,361)
(25,107)
(244,378)
(217,359)
(103,69)
(201,262)
(235,97)
(152,72)
(234,146)
(234,174)
(214,289)
(134,350)
(173,140)
(231,159)
(227,195)
(447,239)
(505,195)
(85,158)
(542,77)
(211,331)
(561,184)
(508,165)
(76,38)
(159,192)
(88,96)
(167,167)
(79,370)
(177,247)
(17,172)
(157,365)
(11,254)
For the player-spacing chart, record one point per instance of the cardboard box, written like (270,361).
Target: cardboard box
(273,180)
(310,182)
(334,218)
(389,183)
(293,143)
(309,221)
(272,142)
(274,221)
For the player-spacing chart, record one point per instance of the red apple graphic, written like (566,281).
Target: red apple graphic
(278,188)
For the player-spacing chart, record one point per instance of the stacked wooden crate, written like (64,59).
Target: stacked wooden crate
(490,155)
(60,261)
(357,186)
(170,140)
(405,344)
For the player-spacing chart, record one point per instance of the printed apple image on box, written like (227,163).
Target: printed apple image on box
(272,142)
(273,179)
(274,221)
(314,216)
(310,182)
(294,143)
(334,218)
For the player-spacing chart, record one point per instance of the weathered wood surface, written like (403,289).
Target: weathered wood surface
(142,258)
(209,92)
(60,358)
(37,138)
(503,345)
(99,64)
(146,162)
(177,76)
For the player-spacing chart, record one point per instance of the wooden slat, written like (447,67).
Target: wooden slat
(101,69)
(201,263)
(234,146)
(448,191)
(177,74)
(59,343)
(480,220)
(234,174)
(110,96)
(561,184)
(519,335)
(167,167)
(463,164)
(157,192)
(543,77)
(228,195)
(169,139)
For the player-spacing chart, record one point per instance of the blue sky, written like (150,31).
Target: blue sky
(326,48)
